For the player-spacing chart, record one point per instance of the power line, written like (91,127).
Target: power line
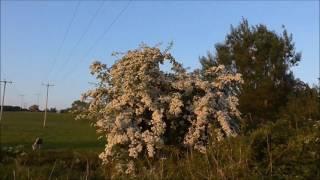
(64,39)
(45,111)
(83,34)
(108,28)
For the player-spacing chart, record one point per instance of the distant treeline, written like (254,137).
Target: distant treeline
(14,108)
(33,108)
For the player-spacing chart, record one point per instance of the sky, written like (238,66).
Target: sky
(56,41)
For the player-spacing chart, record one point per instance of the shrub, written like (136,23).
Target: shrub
(139,108)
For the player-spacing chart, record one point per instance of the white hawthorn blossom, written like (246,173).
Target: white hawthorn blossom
(139,108)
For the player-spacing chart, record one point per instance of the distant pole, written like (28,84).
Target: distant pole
(38,97)
(3,95)
(45,110)
(22,102)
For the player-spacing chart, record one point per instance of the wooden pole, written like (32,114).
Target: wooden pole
(45,110)
(3,96)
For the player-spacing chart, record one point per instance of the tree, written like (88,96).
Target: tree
(66,110)
(140,108)
(34,108)
(12,108)
(79,105)
(264,59)
(54,110)
(302,106)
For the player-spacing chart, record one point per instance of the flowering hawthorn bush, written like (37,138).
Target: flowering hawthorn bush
(139,108)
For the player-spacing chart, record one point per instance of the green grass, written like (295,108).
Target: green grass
(62,132)
(70,148)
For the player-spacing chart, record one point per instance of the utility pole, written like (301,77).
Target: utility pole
(3,95)
(25,105)
(22,102)
(45,110)
(38,97)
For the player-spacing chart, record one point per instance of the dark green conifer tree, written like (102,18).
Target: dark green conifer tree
(264,58)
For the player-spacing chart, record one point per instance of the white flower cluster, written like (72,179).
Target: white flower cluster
(140,108)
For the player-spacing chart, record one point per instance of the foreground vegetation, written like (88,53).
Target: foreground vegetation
(276,150)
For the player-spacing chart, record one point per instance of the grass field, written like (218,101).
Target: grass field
(70,148)
(71,151)
(61,133)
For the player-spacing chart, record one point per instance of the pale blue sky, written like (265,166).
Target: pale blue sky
(33,31)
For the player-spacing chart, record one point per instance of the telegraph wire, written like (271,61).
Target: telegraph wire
(108,28)
(82,35)
(64,39)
